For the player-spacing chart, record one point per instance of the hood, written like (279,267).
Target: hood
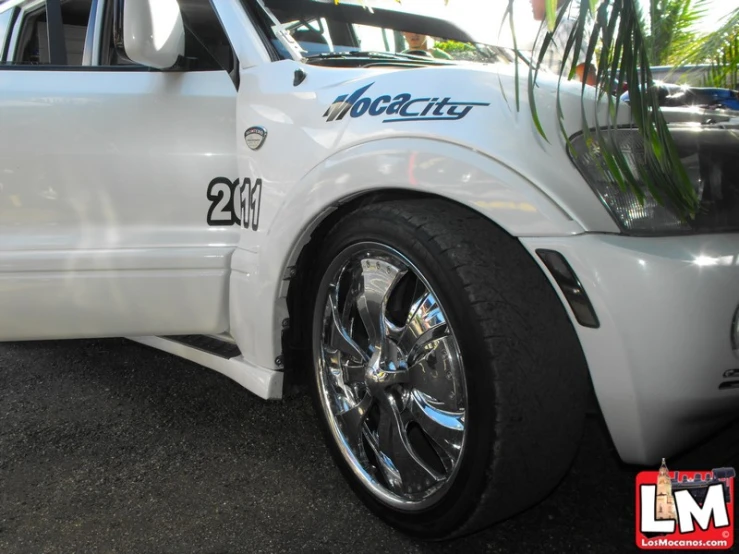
(471,105)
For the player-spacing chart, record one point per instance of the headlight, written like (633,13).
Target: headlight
(711,158)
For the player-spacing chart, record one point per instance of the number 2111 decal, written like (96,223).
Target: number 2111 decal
(235,202)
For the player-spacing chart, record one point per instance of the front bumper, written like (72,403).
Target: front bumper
(665,307)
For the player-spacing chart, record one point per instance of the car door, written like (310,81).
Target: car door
(116,181)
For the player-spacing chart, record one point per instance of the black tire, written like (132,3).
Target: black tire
(527,382)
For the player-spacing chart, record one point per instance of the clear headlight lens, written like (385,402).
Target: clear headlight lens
(711,158)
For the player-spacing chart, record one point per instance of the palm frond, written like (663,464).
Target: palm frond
(706,49)
(622,59)
(724,67)
(671,28)
(720,51)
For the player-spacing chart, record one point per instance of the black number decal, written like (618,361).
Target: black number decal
(236,202)
(220,191)
(232,204)
(251,202)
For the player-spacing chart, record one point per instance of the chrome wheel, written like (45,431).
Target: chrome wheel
(390,376)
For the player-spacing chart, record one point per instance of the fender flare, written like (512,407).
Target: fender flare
(261,272)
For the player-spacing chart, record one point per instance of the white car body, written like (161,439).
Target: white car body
(104,208)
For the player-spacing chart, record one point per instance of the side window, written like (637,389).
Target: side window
(5,19)
(207,47)
(34,46)
(76,20)
(312,35)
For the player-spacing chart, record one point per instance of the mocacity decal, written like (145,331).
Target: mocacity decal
(234,202)
(401,107)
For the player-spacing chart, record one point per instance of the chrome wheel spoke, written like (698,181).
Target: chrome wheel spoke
(352,421)
(435,372)
(444,428)
(393,331)
(340,338)
(429,338)
(425,324)
(415,474)
(332,361)
(388,470)
(377,281)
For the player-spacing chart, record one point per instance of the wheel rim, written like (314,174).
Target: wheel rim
(390,376)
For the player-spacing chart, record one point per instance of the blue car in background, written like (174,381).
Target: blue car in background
(678,96)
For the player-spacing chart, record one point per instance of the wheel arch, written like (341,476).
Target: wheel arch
(298,333)
(267,278)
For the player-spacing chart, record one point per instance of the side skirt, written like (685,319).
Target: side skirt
(223,357)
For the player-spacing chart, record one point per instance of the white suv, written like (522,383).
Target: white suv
(286,190)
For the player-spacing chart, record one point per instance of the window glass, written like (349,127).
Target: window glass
(312,34)
(206,44)
(33,44)
(5,18)
(76,19)
(374,38)
(320,27)
(33,47)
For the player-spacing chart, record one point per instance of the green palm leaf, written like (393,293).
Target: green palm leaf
(618,45)
(624,57)
(720,50)
(671,24)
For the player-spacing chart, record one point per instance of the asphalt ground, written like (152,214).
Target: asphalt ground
(109,446)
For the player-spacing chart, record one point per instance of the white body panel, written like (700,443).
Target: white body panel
(99,222)
(105,230)
(493,161)
(665,307)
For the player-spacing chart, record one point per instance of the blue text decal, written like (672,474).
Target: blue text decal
(401,107)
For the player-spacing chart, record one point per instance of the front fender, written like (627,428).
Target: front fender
(260,277)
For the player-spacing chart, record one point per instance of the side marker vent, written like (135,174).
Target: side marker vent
(571,288)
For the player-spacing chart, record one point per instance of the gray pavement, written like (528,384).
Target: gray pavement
(109,446)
